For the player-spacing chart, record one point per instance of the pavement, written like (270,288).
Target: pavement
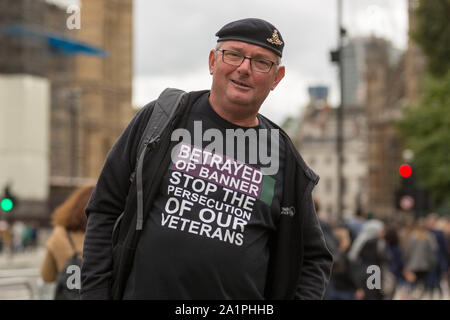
(20,273)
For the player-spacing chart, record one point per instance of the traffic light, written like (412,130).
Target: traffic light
(8,200)
(405,170)
(406,194)
(409,196)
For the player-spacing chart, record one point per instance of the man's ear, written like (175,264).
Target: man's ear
(212,61)
(280,75)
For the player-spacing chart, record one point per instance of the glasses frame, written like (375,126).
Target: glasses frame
(243,59)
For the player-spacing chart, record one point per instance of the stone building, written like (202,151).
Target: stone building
(92,101)
(384,100)
(390,88)
(90,75)
(379,82)
(315,138)
(374,88)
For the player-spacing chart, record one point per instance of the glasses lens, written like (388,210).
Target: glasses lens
(261,65)
(235,59)
(231,57)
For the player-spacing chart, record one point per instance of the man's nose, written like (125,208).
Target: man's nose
(246,65)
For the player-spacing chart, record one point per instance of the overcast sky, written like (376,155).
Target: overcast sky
(172,40)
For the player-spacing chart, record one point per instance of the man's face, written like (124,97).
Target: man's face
(240,88)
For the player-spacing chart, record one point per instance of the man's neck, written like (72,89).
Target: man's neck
(238,118)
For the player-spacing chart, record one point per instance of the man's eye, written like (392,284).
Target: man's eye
(233,55)
(263,63)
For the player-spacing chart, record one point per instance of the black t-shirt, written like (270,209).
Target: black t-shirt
(206,236)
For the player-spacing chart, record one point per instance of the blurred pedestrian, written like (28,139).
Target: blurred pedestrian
(5,234)
(420,258)
(18,229)
(34,234)
(3,230)
(369,249)
(396,263)
(27,237)
(343,283)
(440,268)
(69,221)
(356,223)
(330,239)
(334,291)
(446,228)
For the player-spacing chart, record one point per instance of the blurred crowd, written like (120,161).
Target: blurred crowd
(18,236)
(411,255)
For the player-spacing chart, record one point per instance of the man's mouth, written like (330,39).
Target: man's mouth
(242,84)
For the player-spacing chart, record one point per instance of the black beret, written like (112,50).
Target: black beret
(254,31)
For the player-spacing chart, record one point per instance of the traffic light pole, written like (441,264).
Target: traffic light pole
(340,116)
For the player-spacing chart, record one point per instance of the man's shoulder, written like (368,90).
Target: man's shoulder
(143,114)
(191,95)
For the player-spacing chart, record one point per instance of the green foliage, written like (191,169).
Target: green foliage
(432,33)
(425,129)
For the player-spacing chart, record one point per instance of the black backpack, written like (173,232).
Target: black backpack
(63,280)
(129,224)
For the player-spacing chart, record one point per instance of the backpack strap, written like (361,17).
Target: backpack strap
(72,244)
(162,114)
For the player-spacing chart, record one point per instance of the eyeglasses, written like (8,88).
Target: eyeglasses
(236,59)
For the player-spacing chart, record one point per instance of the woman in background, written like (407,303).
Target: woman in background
(69,221)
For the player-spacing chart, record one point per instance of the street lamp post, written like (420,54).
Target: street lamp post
(340,115)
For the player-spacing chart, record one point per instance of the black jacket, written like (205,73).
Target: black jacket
(299,263)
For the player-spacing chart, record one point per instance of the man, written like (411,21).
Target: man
(230,219)
(356,223)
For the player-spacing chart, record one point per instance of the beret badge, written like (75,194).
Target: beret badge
(275,39)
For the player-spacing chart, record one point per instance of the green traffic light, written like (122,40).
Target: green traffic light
(6,204)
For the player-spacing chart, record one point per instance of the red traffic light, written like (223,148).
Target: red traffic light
(405,170)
